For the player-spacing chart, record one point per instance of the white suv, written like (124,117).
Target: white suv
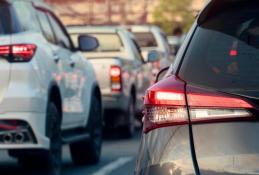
(49,94)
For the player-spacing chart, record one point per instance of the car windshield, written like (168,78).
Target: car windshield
(145,39)
(108,42)
(226,47)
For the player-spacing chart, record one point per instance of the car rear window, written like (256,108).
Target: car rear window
(5,19)
(224,52)
(145,39)
(108,42)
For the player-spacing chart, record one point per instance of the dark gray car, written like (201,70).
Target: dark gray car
(203,117)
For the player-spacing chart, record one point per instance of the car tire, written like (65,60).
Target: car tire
(129,129)
(47,161)
(88,151)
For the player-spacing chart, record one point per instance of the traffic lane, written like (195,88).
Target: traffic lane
(118,157)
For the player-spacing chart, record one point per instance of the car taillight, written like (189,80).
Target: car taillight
(116,81)
(18,53)
(208,106)
(166,105)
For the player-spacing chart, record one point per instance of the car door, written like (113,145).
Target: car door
(72,75)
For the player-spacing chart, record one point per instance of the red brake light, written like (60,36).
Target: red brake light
(4,51)
(116,81)
(165,105)
(18,53)
(166,98)
(233,53)
(115,71)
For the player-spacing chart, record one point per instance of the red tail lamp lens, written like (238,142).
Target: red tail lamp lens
(18,53)
(116,81)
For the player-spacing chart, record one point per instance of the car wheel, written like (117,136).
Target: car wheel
(47,161)
(129,130)
(89,151)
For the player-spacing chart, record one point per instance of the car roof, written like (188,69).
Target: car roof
(93,29)
(142,28)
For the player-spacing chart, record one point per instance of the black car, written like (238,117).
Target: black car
(203,117)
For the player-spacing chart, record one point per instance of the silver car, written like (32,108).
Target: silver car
(153,38)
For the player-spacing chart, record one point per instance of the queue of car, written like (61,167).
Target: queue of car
(121,73)
(63,88)
(65,85)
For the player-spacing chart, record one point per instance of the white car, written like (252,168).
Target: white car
(49,94)
(153,38)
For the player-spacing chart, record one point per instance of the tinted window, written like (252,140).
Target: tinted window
(45,26)
(224,53)
(146,39)
(8,22)
(26,15)
(61,37)
(108,42)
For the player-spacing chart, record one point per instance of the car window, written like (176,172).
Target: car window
(61,36)
(145,39)
(108,42)
(8,20)
(137,51)
(26,15)
(224,52)
(45,26)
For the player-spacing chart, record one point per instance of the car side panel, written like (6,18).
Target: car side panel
(227,148)
(87,83)
(165,151)
(32,79)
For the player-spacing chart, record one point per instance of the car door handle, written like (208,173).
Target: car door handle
(56,58)
(72,63)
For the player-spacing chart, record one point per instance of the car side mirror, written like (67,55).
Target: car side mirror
(153,56)
(161,74)
(87,43)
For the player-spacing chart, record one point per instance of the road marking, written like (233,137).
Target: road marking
(107,169)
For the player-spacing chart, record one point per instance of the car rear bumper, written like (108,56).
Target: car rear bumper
(115,110)
(117,102)
(35,124)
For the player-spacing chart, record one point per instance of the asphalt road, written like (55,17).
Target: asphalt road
(118,158)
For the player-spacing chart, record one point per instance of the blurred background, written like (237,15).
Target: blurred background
(168,14)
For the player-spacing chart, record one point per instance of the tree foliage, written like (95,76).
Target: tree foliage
(174,13)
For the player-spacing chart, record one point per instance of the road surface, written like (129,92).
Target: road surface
(118,158)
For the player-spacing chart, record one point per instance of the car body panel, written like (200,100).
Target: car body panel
(172,156)
(5,68)
(232,148)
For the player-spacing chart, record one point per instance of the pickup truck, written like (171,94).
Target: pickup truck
(121,72)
